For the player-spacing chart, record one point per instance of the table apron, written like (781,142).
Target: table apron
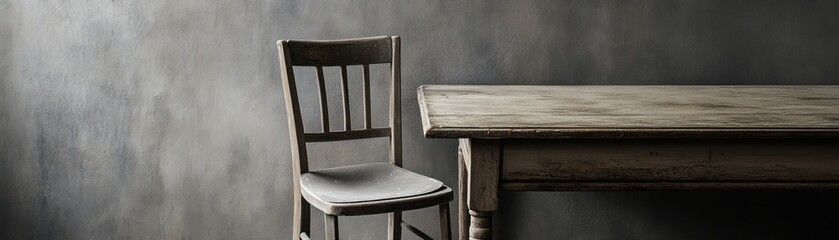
(590,164)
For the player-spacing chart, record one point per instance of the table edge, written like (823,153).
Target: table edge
(430,131)
(438,132)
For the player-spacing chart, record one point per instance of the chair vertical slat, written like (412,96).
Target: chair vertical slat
(367,119)
(395,105)
(345,93)
(324,110)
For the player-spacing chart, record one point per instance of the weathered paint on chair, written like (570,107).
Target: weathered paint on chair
(343,53)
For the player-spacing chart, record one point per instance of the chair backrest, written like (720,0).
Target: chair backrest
(340,53)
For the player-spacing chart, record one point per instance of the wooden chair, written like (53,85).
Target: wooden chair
(359,189)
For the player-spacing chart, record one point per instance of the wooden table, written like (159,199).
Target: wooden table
(632,138)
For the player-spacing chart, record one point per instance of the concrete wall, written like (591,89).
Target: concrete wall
(165,120)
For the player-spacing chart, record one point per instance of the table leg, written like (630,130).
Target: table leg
(463,188)
(480,225)
(482,158)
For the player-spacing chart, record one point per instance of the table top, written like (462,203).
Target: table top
(740,111)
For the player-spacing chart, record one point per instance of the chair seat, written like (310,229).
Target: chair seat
(371,188)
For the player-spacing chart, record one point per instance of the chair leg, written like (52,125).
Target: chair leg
(331,224)
(394,226)
(445,222)
(301,216)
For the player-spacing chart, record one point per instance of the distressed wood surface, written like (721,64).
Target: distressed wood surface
(483,158)
(639,186)
(480,225)
(629,111)
(670,160)
(632,138)
(463,188)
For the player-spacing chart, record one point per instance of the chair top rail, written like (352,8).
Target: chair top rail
(358,51)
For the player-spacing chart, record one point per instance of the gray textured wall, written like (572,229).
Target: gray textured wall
(164,119)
